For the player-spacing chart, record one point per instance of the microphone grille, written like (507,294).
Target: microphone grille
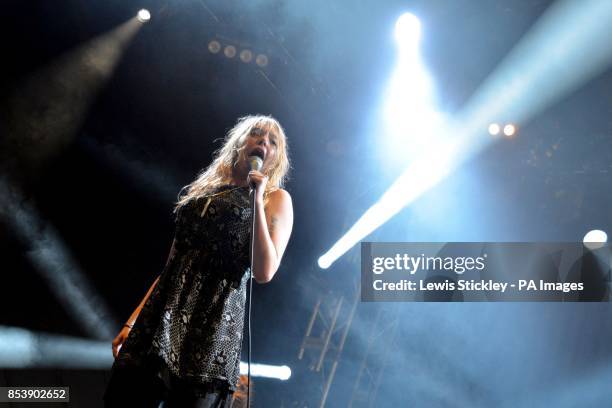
(255,163)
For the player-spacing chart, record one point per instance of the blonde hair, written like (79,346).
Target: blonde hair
(220,171)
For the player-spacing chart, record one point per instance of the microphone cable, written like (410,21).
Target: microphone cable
(250,297)
(255,163)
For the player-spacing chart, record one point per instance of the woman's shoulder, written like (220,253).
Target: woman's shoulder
(279,199)
(279,195)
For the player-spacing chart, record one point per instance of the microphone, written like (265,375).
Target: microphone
(255,163)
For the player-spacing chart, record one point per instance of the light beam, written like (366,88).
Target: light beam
(567,47)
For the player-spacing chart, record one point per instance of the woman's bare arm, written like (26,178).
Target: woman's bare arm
(273,227)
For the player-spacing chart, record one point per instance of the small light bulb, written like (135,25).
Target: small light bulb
(143,15)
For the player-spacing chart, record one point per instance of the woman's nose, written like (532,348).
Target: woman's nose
(264,140)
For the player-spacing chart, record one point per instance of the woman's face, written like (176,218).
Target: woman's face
(262,141)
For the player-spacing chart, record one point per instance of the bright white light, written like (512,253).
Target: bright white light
(21,348)
(324,262)
(410,117)
(411,123)
(407,30)
(424,173)
(509,130)
(494,129)
(595,239)
(567,47)
(144,15)
(267,371)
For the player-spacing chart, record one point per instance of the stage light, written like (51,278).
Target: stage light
(143,15)
(246,56)
(494,129)
(595,239)
(509,130)
(267,371)
(21,348)
(324,262)
(567,47)
(407,30)
(230,51)
(214,46)
(409,111)
(261,60)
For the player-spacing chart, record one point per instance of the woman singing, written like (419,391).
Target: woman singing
(182,343)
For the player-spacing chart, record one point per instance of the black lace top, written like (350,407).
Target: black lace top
(194,318)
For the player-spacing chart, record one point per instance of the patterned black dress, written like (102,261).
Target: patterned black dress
(190,329)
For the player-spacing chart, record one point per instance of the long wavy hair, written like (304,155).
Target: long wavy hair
(220,171)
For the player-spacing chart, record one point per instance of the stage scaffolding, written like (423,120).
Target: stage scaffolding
(325,338)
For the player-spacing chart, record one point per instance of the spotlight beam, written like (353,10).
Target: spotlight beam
(22,348)
(46,111)
(568,46)
(56,265)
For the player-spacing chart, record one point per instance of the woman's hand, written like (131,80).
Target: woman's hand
(118,342)
(260,181)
